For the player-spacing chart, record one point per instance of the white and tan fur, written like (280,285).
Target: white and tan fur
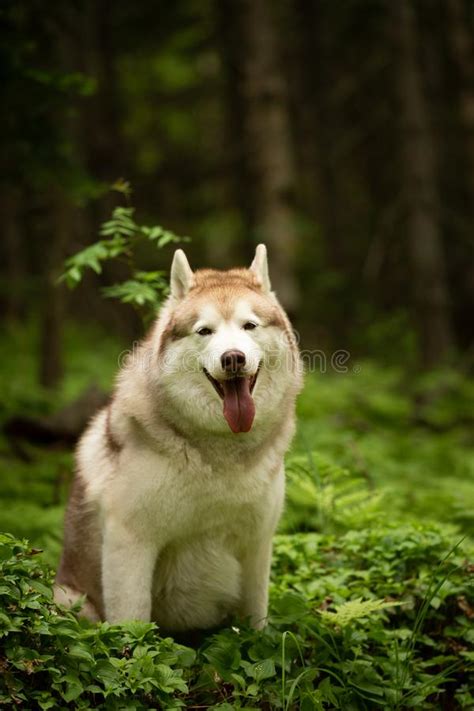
(171,515)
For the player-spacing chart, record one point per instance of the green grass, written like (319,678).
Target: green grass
(372,585)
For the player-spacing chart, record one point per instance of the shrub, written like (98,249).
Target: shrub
(375,619)
(50,659)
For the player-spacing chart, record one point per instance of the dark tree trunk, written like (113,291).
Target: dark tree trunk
(422,201)
(319,128)
(59,223)
(463,55)
(229,31)
(14,271)
(268,149)
(101,137)
(53,302)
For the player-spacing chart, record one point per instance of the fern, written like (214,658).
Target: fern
(355,610)
(334,496)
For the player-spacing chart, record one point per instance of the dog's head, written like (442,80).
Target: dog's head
(227,354)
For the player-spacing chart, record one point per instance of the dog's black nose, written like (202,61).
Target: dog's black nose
(233,361)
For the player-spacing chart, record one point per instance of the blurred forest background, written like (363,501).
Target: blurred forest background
(339,133)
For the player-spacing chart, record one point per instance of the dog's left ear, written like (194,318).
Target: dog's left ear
(259,267)
(181,277)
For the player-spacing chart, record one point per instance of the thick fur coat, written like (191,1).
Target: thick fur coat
(179,483)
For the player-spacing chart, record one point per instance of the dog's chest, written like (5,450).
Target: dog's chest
(217,500)
(192,497)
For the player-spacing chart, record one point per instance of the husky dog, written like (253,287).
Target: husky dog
(180,483)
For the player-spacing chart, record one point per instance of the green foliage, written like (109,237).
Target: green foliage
(144,289)
(122,237)
(49,659)
(325,497)
(405,440)
(368,620)
(35,480)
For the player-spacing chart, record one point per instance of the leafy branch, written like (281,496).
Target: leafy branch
(120,238)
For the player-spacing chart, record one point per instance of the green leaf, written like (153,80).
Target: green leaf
(260,670)
(133,292)
(355,610)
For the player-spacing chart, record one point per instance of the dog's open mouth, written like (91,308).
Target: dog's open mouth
(239,407)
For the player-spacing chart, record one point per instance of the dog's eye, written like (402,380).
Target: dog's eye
(204,331)
(249,326)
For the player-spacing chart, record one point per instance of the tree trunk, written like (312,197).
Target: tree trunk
(268,149)
(319,128)
(103,146)
(59,224)
(462,50)
(319,132)
(14,270)
(51,336)
(419,177)
(229,33)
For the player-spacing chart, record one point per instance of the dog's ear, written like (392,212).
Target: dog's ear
(259,267)
(181,278)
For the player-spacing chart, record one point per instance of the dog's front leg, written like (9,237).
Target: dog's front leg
(128,561)
(255,580)
(257,558)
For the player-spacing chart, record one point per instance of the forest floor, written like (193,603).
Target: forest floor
(372,603)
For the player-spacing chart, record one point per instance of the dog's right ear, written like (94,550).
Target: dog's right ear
(181,278)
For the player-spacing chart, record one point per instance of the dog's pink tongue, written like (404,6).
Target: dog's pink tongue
(239,407)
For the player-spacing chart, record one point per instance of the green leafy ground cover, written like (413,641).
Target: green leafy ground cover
(372,587)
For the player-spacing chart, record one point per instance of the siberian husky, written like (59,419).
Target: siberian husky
(179,482)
